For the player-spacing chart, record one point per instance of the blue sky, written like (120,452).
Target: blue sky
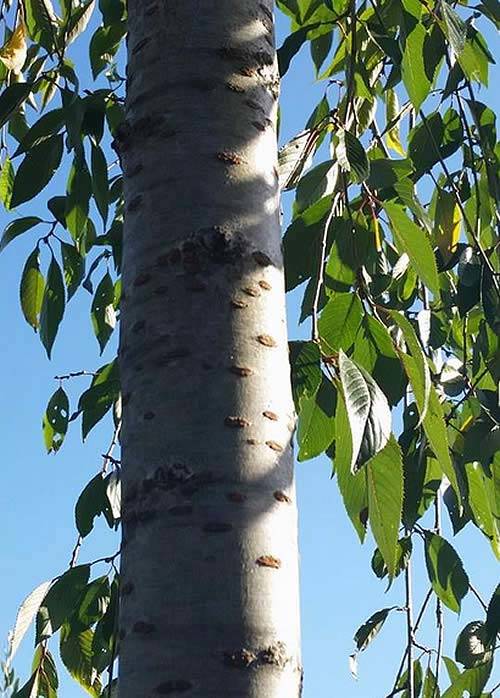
(38,492)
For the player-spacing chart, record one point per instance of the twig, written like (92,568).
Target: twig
(409,629)
(108,456)
(478,597)
(75,374)
(76,551)
(321,270)
(439,608)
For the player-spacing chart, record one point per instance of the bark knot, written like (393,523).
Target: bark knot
(269,561)
(176,686)
(236,422)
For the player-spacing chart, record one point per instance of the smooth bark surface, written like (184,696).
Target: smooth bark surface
(210,564)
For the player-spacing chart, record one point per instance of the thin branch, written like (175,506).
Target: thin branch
(439,608)
(108,456)
(478,597)
(321,269)
(75,374)
(409,630)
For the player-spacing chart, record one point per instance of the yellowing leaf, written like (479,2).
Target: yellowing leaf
(447,223)
(392,111)
(13,52)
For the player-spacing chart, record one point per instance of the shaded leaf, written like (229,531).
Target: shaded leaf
(76,654)
(367,632)
(446,572)
(91,503)
(95,402)
(17,227)
(73,268)
(61,599)
(55,421)
(100,184)
(352,156)
(53,305)
(471,648)
(11,98)
(103,312)
(36,170)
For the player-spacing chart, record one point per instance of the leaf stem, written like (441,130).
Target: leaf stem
(321,269)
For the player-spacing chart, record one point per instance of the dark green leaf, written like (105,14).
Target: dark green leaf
(37,169)
(76,654)
(78,197)
(17,227)
(490,296)
(371,628)
(53,305)
(305,360)
(316,421)
(351,156)
(12,98)
(47,126)
(492,625)
(61,600)
(431,689)
(104,45)
(79,21)
(471,648)
(446,572)
(94,602)
(100,397)
(32,290)
(92,502)
(55,421)
(29,688)
(73,266)
(103,312)
(41,22)
(403,556)
(292,45)
(318,182)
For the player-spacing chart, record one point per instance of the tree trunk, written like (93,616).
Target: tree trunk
(209,604)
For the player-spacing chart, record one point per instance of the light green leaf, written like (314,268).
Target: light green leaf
(454,28)
(305,360)
(415,242)
(385,501)
(53,305)
(316,429)
(36,170)
(480,500)
(55,421)
(76,654)
(435,430)
(413,71)
(103,312)
(79,21)
(421,379)
(7,176)
(339,321)
(32,290)
(17,227)
(431,689)
(446,572)
(392,109)
(25,615)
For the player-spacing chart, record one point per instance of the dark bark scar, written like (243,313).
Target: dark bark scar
(236,497)
(238,304)
(265,285)
(236,422)
(282,497)
(251,291)
(230,158)
(241,371)
(175,686)
(262,259)
(270,415)
(275,446)
(268,561)
(266,340)
(240,659)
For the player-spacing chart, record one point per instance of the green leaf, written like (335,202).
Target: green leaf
(41,21)
(367,632)
(367,409)
(79,21)
(454,29)
(94,602)
(339,321)
(492,625)
(316,429)
(431,689)
(55,421)
(61,600)
(6,182)
(435,430)
(91,503)
(471,648)
(392,109)
(481,503)
(353,487)
(385,501)
(78,197)
(446,572)
(404,552)
(305,360)
(17,227)
(53,305)
(73,266)
(32,289)
(100,397)
(292,45)
(414,241)
(25,615)
(76,654)
(413,70)
(420,379)
(36,170)
(104,45)
(103,312)
(352,156)
(29,690)
(12,98)
(490,297)
(47,126)
(100,184)
(318,182)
